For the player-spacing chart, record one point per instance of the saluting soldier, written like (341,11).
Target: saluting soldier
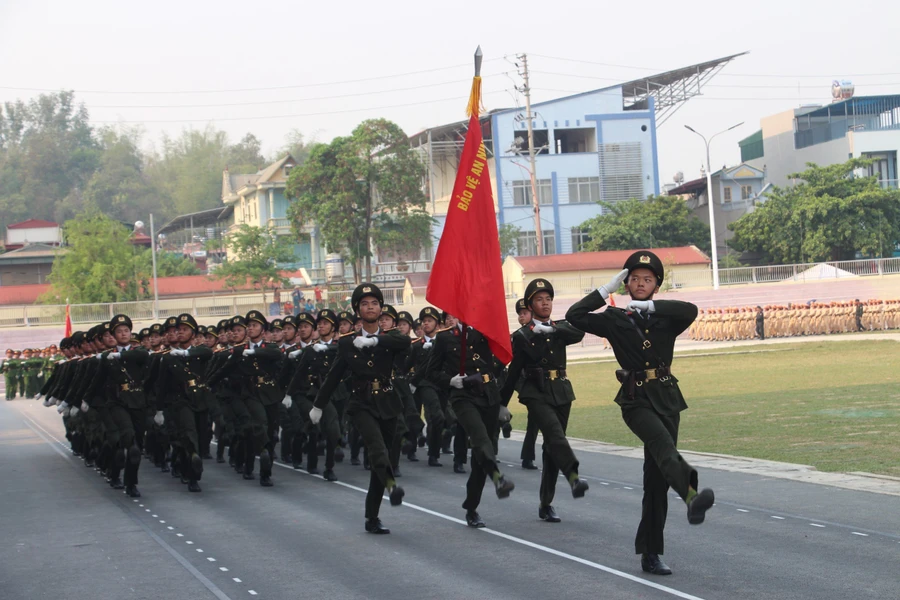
(539,353)
(643,340)
(462,364)
(368,355)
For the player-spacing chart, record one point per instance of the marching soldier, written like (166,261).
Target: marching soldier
(539,352)
(425,391)
(643,340)
(10,373)
(462,364)
(523,314)
(374,406)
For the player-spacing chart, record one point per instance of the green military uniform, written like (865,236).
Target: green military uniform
(31,366)
(10,370)
(374,405)
(475,399)
(650,399)
(539,354)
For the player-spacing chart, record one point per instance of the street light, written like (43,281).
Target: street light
(709,200)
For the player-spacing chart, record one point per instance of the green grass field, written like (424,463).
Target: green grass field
(835,406)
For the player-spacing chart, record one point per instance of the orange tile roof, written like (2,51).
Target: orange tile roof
(610,259)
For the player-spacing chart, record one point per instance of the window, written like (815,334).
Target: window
(522,192)
(584,190)
(579,238)
(726,194)
(287,170)
(746,192)
(526,245)
(541,141)
(576,140)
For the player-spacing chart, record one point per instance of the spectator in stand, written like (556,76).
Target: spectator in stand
(297,298)
(275,307)
(318,292)
(310,307)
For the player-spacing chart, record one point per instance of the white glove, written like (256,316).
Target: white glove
(505,415)
(457,381)
(365,342)
(178,352)
(113,356)
(427,345)
(315,415)
(73,411)
(39,396)
(40,374)
(250,352)
(62,407)
(158,418)
(614,284)
(54,400)
(540,328)
(294,353)
(288,401)
(320,347)
(641,305)
(412,388)
(84,406)
(48,402)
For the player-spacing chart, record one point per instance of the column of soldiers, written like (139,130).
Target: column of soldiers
(791,320)
(25,371)
(302,387)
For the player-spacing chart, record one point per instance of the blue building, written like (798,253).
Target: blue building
(599,145)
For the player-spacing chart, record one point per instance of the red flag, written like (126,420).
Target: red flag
(466,278)
(68,322)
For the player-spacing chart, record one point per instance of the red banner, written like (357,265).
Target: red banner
(466,278)
(68,322)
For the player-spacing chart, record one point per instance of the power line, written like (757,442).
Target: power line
(264,102)
(258,89)
(315,114)
(708,85)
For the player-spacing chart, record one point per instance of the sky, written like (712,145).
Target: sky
(322,67)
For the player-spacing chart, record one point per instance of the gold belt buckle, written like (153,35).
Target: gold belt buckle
(485,378)
(646,344)
(651,374)
(376,385)
(125,387)
(553,374)
(192,382)
(260,380)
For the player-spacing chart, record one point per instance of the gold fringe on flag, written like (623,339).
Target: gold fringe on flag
(475,106)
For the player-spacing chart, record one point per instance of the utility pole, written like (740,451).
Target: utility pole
(535,201)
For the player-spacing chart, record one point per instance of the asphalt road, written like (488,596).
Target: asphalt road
(65,534)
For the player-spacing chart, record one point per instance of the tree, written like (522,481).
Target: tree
(658,222)
(99,265)
(257,252)
(509,239)
(363,189)
(47,154)
(832,215)
(171,264)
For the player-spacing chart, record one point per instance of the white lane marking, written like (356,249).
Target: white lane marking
(860,534)
(170,528)
(191,543)
(210,559)
(777,517)
(147,509)
(200,550)
(161,521)
(155,516)
(822,526)
(223,569)
(743,510)
(236,579)
(625,487)
(251,592)
(539,547)
(180,534)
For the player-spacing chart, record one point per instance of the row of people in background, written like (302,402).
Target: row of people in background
(25,371)
(812,318)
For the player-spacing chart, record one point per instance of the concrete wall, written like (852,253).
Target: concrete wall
(34,235)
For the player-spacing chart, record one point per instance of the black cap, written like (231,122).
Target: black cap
(78,338)
(346,316)
(237,320)
(390,311)
(289,320)
(156,328)
(277,324)
(326,314)
(187,319)
(222,325)
(64,343)
(145,332)
(305,318)
(363,290)
(644,259)
(170,323)
(201,329)
(255,315)
(535,286)
(405,316)
(520,305)
(120,320)
(430,311)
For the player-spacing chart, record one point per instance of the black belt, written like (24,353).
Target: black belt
(640,377)
(541,373)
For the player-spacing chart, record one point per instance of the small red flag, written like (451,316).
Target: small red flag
(68,322)
(466,278)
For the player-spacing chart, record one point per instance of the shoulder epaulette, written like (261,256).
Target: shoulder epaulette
(417,340)
(343,335)
(443,330)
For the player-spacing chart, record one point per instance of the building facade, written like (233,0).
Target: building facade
(863,126)
(259,200)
